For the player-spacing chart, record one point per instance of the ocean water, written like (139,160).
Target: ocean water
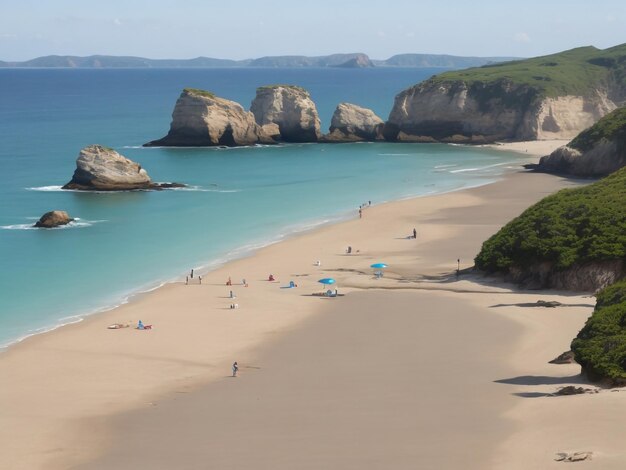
(238,199)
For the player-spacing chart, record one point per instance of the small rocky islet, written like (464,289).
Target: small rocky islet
(53,219)
(100,168)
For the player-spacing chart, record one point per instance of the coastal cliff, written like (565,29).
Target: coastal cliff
(597,151)
(286,113)
(202,119)
(551,97)
(352,123)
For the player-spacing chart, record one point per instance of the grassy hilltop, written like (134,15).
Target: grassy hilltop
(573,72)
(573,226)
(610,127)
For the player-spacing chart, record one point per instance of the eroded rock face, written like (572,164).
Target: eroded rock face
(286,113)
(587,277)
(478,113)
(604,158)
(54,219)
(352,123)
(201,119)
(100,168)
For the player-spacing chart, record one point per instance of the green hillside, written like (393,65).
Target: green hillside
(570,227)
(600,347)
(612,126)
(576,72)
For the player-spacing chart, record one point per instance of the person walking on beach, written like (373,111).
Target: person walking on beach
(235,369)
(360,213)
(187,280)
(199,279)
(191,274)
(414,233)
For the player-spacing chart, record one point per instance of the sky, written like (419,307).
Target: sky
(241,29)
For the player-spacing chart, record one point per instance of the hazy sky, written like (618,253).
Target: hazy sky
(242,29)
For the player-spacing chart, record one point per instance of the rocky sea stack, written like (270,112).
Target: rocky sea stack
(286,113)
(352,123)
(101,168)
(201,119)
(597,151)
(550,97)
(53,219)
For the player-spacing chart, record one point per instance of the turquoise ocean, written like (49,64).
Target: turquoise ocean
(238,200)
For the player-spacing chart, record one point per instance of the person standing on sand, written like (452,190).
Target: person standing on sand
(187,280)
(199,279)
(414,233)
(235,369)
(191,274)
(360,213)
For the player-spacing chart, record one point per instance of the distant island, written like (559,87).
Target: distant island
(351,60)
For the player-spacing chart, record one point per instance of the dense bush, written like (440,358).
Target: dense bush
(571,226)
(600,347)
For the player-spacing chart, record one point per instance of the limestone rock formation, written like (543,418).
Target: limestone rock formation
(476,113)
(352,123)
(201,119)
(286,113)
(54,219)
(100,168)
(597,151)
(603,159)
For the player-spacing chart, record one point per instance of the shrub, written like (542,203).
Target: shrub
(600,347)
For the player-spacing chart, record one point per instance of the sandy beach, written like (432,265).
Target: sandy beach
(420,368)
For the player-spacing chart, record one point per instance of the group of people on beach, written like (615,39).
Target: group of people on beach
(363,206)
(190,276)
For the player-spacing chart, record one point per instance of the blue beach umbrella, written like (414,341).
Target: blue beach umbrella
(327,280)
(378,265)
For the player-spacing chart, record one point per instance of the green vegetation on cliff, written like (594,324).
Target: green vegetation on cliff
(570,227)
(279,85)
(574,72)
(600,347)
(612,126)
(198,92)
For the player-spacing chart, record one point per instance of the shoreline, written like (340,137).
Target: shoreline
(149,366)
(250,250)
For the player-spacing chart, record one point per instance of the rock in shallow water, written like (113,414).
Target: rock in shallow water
(286,113)
(53,219)
(100,168)
(201,119)
(352,123)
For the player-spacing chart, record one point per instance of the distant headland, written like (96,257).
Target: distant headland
(350,60)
